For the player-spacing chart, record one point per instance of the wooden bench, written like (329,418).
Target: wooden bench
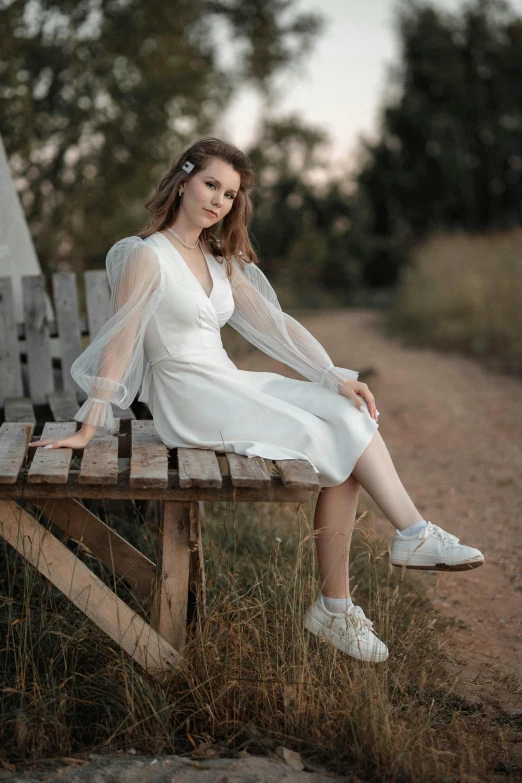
(40,488)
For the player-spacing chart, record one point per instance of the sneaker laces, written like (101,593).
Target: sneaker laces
(357,617)
(434,530)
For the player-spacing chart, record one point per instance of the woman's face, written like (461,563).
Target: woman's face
(211,190)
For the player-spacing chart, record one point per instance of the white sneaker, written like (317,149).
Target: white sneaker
(350,631)
(435,550)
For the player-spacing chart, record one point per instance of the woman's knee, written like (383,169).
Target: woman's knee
(348,485)
(352,482)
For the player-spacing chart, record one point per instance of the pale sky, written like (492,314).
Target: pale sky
(341,85)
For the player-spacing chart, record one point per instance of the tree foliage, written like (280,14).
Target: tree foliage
(301,222)
(97,96)
(448,155)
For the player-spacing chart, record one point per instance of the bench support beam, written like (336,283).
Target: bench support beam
(81,586)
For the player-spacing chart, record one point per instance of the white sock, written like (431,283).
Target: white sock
(337,605)
(413,529)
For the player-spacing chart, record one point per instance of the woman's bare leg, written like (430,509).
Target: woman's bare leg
(336,510)
(334,519)
(375,472)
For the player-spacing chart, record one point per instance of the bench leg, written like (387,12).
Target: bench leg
(81,586)
(169,610)
(197,599)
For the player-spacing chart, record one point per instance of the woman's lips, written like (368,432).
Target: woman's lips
(211,212)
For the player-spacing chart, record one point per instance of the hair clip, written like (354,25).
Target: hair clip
(188,166)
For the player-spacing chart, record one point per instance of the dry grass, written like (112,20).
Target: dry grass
(256,679)
(464,293)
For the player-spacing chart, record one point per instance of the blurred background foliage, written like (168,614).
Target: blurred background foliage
(97,98)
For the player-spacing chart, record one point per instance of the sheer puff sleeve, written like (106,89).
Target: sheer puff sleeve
(258,317)
(110,369)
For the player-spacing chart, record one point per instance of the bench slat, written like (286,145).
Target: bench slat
(64,405)
(100,458)
(52,465)
(39,368)
(10,367)
(19,409)
(149,457)
(297,473)
(247,471)
(198,468)
(13,446)
(97,299)
(66,308)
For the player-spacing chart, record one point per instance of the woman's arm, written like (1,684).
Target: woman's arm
(111,367)
(259,318)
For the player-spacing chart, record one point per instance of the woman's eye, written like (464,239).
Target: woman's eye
(212,184)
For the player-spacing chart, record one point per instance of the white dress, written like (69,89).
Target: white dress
(164,336)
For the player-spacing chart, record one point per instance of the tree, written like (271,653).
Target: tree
(448,156)
(97,96)
(300,226)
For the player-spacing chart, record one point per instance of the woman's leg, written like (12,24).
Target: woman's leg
(334,519)
(375,472)
(336,510)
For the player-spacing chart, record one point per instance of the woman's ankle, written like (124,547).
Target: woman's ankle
(337,605)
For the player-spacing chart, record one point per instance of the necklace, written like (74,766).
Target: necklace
(190,247)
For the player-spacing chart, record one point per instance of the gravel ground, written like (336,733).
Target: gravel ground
(284,767)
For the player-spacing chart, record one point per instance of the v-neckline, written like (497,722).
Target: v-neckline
(208,296)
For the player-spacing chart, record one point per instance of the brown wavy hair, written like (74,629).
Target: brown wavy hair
(164,204)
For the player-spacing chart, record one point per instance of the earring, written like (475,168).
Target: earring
(180,192)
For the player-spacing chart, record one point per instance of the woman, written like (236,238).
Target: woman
(173,287)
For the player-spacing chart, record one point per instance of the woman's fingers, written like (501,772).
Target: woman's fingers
(46,444)
(354,390)
(74,442)
(370,400)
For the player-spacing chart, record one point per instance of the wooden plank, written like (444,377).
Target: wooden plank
(197,576)
(13,446)
(169,613)
(63,569)
(122,490)
(63,404)
(10,367)
(19,409)
(97,299)
(247,471)
(21,330)
(202,514)
(82,525)
(66,308)
(100,458)
(39,368)
(297,473)
(149,457)
(52,465)
(198,468)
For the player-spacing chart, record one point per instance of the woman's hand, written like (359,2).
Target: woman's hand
(354,390)
(77,441)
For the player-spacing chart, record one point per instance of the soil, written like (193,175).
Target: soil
(454,431)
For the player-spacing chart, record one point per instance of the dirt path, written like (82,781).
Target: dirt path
(454,431)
